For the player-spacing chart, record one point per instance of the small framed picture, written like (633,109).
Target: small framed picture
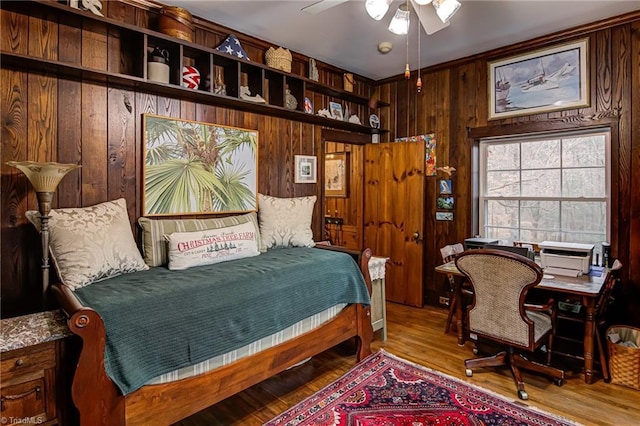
(308,106)
(448,216)
(336,111)
(336,174)
(445,186)
(306,166)
(445,203)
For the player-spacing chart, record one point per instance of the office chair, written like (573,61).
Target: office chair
(500,281)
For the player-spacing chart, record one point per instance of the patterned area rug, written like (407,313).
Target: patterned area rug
(385,390)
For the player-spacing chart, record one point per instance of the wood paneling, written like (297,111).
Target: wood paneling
(629,222)
(455,100)
(46,118)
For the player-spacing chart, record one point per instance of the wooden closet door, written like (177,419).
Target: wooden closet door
(394,215)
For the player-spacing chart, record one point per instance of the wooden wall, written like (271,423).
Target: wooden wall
(454,105)
(348,208)
(46,118)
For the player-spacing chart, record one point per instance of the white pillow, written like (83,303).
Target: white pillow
(286,222)
(92,243)
(187,249)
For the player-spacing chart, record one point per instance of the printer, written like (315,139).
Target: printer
(569,259)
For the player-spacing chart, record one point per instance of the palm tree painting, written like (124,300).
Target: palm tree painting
(194,168)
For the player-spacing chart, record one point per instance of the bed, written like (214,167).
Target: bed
(103,400)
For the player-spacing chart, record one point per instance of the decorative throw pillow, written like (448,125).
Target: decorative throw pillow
(187,249)
(286,222)
(92,243)
(154,245)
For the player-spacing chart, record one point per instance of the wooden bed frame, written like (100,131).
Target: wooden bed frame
(100,402)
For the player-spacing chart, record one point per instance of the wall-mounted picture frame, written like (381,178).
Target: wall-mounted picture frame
(444,186)
(336,174)
(336,111)
(306,169)
(445,203)
(448,216)
(192,167)
(546,80)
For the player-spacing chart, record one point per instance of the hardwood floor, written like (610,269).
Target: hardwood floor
(418,335)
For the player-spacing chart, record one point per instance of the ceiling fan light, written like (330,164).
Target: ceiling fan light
(446,8)
(422,2)
(377,8)
(400,22)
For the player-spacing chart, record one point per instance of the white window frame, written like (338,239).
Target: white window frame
(482,198)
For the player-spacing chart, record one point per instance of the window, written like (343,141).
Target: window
(552,187)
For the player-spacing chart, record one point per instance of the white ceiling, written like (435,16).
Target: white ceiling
(346,37)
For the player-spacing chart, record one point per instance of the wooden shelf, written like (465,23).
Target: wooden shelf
(261,79)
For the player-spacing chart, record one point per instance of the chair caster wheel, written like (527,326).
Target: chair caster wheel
(558,382)
(523,395)
(468,372)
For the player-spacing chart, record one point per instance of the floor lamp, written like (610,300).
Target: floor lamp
(44,178)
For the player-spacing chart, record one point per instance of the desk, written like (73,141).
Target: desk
(587,287)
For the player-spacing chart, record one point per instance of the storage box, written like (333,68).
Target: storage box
(176,22)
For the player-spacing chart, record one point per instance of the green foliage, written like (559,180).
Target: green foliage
(190,167)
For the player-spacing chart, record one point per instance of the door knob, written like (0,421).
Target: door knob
(416,237)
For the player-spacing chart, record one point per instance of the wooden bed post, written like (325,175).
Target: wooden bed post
(365,329)
(94,394)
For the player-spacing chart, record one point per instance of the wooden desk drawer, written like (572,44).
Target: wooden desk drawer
(25,403)
(29,359)
(28,385)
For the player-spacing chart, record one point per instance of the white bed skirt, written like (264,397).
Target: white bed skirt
(288,333)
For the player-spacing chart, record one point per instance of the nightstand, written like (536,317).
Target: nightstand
(31,348)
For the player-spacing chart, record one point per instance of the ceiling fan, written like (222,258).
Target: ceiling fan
(433,19)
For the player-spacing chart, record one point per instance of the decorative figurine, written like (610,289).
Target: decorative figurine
(158,66)
(245,94)
(291,102)
(94,6)
(190,77)
(354,119)
(324,113)
(313,70)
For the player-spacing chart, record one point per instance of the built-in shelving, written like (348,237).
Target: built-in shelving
(135,44)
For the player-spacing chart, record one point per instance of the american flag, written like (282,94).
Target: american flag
(231,46)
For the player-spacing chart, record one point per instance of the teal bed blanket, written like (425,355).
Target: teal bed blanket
(159,320)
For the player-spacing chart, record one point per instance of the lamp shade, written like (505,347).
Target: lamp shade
(377,8)
(446,8)
(44,177)
(400,22)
